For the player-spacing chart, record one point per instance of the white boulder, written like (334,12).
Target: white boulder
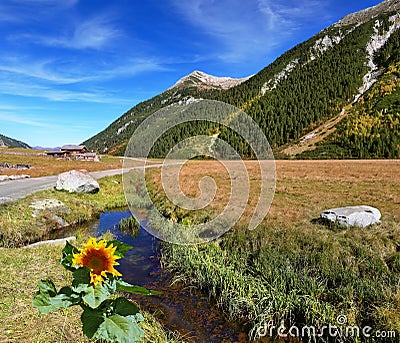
(76,181)
(54,242)
(361,216)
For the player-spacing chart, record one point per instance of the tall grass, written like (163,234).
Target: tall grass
(129,225)
(296,278)
(293,270)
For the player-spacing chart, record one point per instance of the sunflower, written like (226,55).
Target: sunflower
(99,258)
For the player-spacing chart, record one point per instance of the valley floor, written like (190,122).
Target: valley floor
(293,269)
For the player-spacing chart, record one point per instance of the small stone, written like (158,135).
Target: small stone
(4,178)
(51,205)
(60,222)
(60,241)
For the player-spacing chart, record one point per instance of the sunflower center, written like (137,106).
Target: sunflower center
(96,261)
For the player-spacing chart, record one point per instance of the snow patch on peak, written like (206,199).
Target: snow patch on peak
(201,79)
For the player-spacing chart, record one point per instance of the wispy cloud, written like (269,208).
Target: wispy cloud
(94,33)
(14,11)
(73,72)
(14,118)
(36,69)
(60,95)
(245,28)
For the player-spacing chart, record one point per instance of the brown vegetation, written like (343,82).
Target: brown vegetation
(46,165)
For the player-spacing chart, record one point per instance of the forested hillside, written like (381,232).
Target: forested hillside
(299,91)
(12,143)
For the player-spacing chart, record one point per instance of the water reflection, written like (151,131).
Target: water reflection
(178,308)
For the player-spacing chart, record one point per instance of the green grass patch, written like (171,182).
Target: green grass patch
(20,322)
(129,225)
(18,227)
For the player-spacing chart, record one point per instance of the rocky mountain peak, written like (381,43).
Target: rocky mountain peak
(202,80)
(369,13)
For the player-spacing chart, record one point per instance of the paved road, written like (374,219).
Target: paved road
(17,189)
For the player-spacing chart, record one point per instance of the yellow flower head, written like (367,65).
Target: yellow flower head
(99,258)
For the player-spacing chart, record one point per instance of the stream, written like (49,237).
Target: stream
(178,308)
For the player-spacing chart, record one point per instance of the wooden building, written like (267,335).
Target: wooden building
(77,152)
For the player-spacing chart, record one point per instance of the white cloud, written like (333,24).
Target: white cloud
(95,33)
(14,118)
(59,95)
(36,69)
(32,10)
(73,72)
(246,28)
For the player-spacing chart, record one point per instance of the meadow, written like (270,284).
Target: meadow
(22,268)
(293,269)
(42,165)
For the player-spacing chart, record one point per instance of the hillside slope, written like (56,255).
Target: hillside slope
(12,143)
(305,88)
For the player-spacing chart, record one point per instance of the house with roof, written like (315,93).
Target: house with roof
(77,152)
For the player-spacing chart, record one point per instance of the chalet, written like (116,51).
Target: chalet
(74,149)
(77,152)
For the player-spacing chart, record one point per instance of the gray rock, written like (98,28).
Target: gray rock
(52,205)
(76,181)
(4,178)
(361,216)
(58,221)
(4,200)
(13,177)
(18,177)
(60,241)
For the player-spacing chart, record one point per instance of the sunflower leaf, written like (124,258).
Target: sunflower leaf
(94,296)
(127,287)
(67,256)
(122,248)
(47,299)
(80,279)
(120,329)
(47,287)
(124,307)
(91,320)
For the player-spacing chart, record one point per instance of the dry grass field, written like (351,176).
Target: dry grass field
(45,165)
(304,188)
(292,268)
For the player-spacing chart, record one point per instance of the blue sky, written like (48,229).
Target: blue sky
(68,68)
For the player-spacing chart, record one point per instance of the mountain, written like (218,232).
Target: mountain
(308,98)
(38,147)
(201,80)
(12,143)
(369,13)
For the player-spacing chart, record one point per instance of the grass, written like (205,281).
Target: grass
(20,322)
(45,165)
(18,227)
(293,269)
(129,225)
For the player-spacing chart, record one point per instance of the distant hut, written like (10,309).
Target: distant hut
(78,152)
(74,149)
